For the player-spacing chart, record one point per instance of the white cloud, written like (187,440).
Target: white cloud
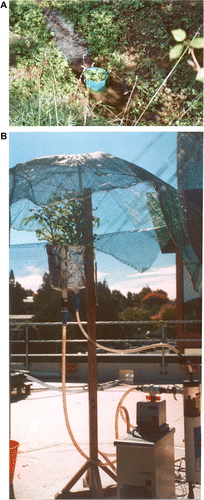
(34,269)
(164,278)
(33,281)
(101,276)
(167,271)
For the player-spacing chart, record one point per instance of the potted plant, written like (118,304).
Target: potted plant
(95,79)
(61,225)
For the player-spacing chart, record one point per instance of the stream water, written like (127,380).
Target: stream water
(72,46)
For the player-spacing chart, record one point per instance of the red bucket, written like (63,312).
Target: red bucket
(13,450)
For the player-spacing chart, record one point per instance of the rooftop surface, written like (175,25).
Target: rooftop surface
(47,458)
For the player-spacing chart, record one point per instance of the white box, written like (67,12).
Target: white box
(145,467)
(151,413)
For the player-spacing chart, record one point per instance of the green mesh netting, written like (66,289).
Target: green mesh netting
(134,207)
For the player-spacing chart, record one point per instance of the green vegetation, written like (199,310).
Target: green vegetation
(130,39)
(185,44)
(112,306)
(61,223)
(16,295)
(95,74)
(39,77)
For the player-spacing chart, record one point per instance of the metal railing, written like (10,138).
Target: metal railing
(22,328)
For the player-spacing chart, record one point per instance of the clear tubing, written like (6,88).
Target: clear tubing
(64,334)
(126,351)
(119,409)
(98,462)
(125,416)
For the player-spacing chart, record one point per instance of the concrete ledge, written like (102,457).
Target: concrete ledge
(147,368)
(107,358)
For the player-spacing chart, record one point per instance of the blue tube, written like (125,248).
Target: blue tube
(76,302)
(65,316)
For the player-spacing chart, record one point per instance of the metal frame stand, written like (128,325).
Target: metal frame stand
(91,466)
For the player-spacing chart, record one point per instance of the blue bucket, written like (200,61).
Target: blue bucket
(96,86)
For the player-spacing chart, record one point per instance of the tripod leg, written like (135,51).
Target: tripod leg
(86,480)
(191,492)
(93,474)
(96,487)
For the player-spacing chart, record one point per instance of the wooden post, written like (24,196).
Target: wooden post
(92,465)
(94,479)
(179,295)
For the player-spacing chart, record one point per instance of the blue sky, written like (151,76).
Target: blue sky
(154,151)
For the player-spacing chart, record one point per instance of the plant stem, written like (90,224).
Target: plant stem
(135,123)
(195,100)
(128,103)
(197,65)
(56,108)
(39,111)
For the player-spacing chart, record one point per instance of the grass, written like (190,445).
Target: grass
(130,39)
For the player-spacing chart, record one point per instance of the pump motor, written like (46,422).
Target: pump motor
(145,457)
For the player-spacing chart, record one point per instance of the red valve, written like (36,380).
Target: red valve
(153,398)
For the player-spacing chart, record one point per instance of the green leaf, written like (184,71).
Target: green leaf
(198,43)
(200,75)
(179,35)
(176,51)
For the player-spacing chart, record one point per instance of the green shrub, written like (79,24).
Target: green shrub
(96,75)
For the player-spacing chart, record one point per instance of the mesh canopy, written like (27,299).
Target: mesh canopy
(121,194)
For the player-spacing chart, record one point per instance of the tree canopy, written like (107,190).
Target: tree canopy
(16,295)
(147,305)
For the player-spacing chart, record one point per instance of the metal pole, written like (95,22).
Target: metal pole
(94,479)
(179,295)
(27,342)
(163,350)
